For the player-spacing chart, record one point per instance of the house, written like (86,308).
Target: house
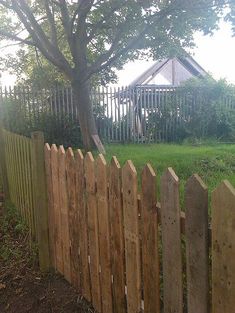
(170,72)
(149,93)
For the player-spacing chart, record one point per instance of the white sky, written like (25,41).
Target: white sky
(215,54)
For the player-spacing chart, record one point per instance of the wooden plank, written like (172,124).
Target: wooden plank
(197,246)
(41,208)
(83,233)
(29,186)
(3,164)
(89,165)
(223,249)
(59,263)
(51,215)
(171,239)
(98,143)
(117,237)
(131,235)
(29,152)
(18,171)
(23,179)
(74,228)
(14,169)
(149,227)
(8,164)
(27,205)
(104,234)
(64,213)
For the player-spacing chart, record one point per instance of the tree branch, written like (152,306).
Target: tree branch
(51,21)
(52,53)
(11,36)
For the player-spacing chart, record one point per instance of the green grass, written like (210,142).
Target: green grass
(212,162)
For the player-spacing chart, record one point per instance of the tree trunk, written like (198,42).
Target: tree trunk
(86,118)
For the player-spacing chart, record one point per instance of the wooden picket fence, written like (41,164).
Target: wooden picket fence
(117,246)
(124,247)
(24,184)
(20,177)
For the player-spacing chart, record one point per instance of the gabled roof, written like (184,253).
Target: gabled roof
(188,63)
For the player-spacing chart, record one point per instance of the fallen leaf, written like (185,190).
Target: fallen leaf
(2,286)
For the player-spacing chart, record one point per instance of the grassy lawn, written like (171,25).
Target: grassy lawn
(212,162)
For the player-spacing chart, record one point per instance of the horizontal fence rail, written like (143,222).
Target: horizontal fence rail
(124,246)
(143,114)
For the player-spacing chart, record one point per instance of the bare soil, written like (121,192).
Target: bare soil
(22,287)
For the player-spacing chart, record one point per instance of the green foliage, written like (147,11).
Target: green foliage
(114,32)
(59,128)
(10,223)
(209,109)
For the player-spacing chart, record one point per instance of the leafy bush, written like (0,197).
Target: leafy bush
(208,110)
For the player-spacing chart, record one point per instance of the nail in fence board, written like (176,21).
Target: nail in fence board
(104,234)
(51,217)
(117,237)
(93,230)
(64,213)
(223,249)
(131,235)
(149,228)
(56,208)
(171,239)
(197,246)
(83,227)
(73,218)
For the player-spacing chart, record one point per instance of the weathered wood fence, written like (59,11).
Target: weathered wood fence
(141,115)
(124,247)
(24,182)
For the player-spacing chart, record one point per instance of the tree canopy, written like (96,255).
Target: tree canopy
(84,39)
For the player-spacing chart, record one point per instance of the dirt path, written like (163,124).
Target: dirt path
(22,287)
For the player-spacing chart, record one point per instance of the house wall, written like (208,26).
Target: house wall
(173,73)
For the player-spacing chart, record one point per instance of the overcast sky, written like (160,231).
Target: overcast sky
(215,54)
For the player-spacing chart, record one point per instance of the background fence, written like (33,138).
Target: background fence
(140,115)
(124,247)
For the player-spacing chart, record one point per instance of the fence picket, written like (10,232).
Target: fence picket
(93,230)
(83,235)
(171,239)
(51,216)
(40,197)
(223,249)
(149,228)
(73,218)
(117,237)
(197,252)
(131,235)
(94,237)
(104,234)
(56,208)
(64,213)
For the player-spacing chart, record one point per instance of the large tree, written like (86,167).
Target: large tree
(84,38)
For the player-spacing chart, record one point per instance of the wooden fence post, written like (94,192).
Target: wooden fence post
(197,246)
(3,167)
(223,248)
(40,199)
(171,240)
(131,236)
